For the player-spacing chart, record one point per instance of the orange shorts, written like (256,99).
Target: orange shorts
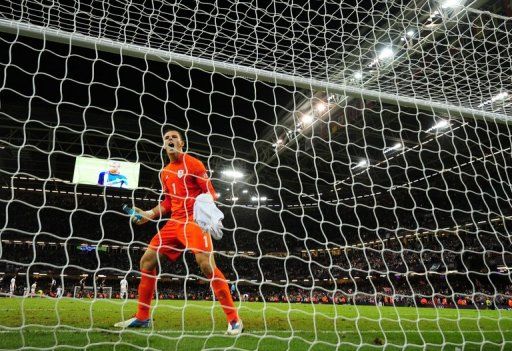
(177,235)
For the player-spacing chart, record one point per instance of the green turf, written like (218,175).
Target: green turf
(69,324)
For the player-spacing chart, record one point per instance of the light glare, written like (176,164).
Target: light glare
(231,173)
(321,107)
(397,146)
(358,75)
(500,96)
(449,4)
(360,164)
(278,142)
(441,124)
(386,53)
(307,119)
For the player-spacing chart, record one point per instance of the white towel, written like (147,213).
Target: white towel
(208,216)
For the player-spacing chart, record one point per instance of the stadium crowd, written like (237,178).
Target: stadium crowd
(64,238)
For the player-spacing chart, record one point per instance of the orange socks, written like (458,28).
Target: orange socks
(219,285)
(221,289)
(146,291)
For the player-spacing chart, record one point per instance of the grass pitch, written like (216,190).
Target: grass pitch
(70,324)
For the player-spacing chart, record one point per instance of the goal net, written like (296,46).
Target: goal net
(361,152)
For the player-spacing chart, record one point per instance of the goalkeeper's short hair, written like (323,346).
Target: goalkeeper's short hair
(171,129)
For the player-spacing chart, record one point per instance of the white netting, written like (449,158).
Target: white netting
(450,54)
(396,196)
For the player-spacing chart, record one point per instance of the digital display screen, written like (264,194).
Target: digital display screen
(89,248)
(111,173)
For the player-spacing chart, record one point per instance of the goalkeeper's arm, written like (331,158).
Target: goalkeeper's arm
(155,213)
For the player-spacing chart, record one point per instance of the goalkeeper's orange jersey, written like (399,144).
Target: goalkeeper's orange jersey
(183,180)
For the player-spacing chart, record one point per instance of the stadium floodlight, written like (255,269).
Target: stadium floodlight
(245,191)
(321,107)
(432,16)
(386,53)
(261,198)
(231,173)
(439,125)
(234,198)
(496,98)
(450,4)
(277,143)
(383,55)
(358,75)
(499,97)
(431,23)
(307,119)
(397,146)
(360,164)
(410,33)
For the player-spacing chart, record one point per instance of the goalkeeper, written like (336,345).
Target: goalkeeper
(189,195)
